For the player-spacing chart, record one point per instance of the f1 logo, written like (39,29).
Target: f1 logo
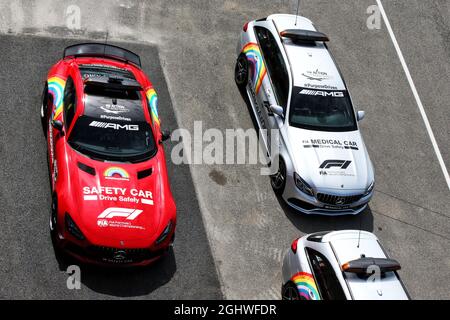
(110,213)
(342,164)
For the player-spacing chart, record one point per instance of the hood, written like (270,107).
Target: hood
(331,160)
(115,201)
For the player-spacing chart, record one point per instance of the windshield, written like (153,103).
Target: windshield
(321,110)
(113,140)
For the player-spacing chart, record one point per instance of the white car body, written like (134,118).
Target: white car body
(336,249)
(333,163)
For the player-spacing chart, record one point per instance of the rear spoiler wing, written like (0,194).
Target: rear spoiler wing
(304,35)
(102,50)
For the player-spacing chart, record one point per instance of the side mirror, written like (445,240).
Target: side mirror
(165,135)
(361,115)
(278,110)
(58,125)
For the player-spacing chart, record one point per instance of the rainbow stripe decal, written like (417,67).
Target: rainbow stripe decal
(251,50)
(116,173)
(152,98)
(56,88)
(306,286)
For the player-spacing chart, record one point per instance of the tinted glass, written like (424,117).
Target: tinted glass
(70,99)
(327,282)
(113,139)
(275,64)
(321,110)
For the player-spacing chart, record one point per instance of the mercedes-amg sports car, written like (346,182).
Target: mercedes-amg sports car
(111,199)
(340,265)
(295,89)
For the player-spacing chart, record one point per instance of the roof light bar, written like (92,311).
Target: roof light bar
(362,265)
(304,35)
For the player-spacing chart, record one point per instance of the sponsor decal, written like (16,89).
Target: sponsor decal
(116,173)
(118,118)
(320,86)
(108,218)
(114,108)
(330,143)
(339,165)
(336,94)
(306,286)
(120,255)
(152,99)
(251,50)
(342,164)
(115,126)
(117,194)
(316,75)
(56,89)
(129,214)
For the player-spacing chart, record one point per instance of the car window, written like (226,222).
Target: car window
(70,101)
(321,110)
(275,64)
(327,282)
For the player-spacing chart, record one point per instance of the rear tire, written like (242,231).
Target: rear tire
(289,291)
(44,111)
(241,71)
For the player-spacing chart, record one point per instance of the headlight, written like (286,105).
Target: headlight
(370,188)
(302,185)
(73,228)
(165,233)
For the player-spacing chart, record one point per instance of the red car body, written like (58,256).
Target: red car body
(113,212)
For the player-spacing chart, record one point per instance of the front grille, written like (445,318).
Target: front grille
(338,200)
(119,255)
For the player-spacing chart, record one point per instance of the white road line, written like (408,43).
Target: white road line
(415,93)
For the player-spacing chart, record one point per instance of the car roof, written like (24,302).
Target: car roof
(312,65)
(98,105)
(350,245)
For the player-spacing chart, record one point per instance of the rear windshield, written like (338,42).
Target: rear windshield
(321,110)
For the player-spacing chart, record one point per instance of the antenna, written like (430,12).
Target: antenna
(296,15)
(359,234)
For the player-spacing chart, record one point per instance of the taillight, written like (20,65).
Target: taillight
(245,27)
(294,246)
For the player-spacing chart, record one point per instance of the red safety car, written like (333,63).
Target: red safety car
(111,199)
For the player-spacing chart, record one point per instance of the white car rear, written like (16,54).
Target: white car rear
(340,265)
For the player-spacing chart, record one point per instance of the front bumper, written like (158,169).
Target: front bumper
(304,203)
(112,257)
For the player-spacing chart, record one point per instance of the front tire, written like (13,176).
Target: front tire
(54,216)
(278,180)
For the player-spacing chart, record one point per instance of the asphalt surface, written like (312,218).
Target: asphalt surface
(247,228)
(28,266)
